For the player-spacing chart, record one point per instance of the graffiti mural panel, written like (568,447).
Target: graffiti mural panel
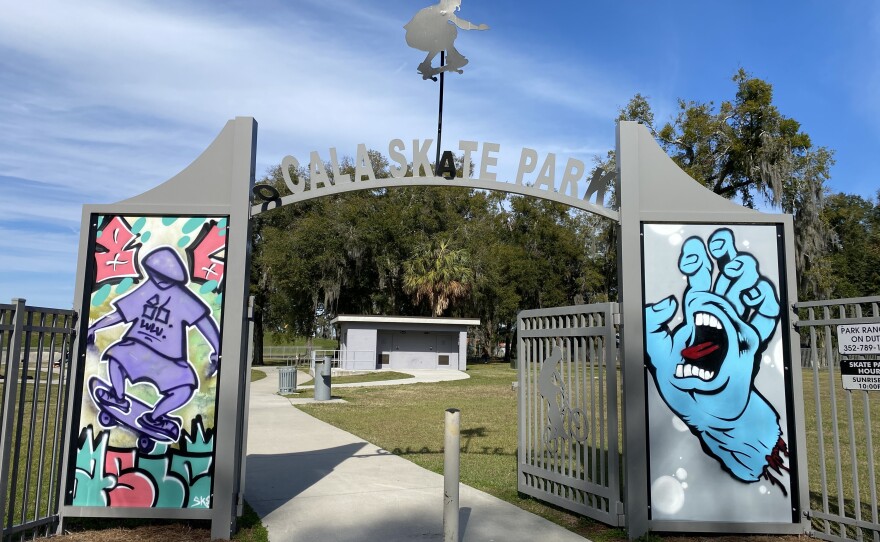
(717,387)
(152,351)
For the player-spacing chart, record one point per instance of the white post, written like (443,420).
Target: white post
(451,453)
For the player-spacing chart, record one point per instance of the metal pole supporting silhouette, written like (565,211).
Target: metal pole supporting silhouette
(440,114)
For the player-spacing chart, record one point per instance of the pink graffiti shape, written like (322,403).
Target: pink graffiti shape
(116,256)
(133,488)
(207,262)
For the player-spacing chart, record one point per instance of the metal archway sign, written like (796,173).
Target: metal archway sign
(706,286)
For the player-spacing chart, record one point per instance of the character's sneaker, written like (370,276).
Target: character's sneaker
(108,398)
(164,426)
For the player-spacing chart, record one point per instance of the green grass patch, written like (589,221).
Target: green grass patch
(257,374)
(250,528)
(369,377)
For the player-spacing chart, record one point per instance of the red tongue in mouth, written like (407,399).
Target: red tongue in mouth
(697,351)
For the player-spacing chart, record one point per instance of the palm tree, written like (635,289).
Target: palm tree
(439,275)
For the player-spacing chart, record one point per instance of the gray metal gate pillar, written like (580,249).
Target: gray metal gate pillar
(632,346)
(219,182)
(654,192)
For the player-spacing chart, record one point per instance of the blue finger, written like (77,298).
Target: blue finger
(737,276)
(659,314)
(722,245)
(658,341)
(764,300)
(696,264)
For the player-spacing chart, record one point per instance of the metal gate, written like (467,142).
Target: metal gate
(35,350)
(568,410)
(840,451)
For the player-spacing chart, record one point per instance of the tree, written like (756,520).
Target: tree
(855,247)
(439,275)
(747,149)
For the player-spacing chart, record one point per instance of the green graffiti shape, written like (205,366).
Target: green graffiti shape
(101,295)
(91,485)
(170,487)
(183,477)
(124,285)
(138,225)
(193,224)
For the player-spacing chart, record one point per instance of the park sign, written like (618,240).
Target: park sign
(860,374)
(855,339)
(858,340)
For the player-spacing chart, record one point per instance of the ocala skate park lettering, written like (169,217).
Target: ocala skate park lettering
(535,170)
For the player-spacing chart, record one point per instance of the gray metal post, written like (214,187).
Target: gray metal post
(629,270)
(322,381)
(451,453)
(10,394)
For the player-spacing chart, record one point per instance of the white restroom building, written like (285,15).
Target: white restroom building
(402,342)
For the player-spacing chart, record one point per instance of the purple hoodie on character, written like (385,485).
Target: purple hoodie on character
(154,347)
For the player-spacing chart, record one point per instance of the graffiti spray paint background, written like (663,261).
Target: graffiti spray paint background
(687,484)
(112,470)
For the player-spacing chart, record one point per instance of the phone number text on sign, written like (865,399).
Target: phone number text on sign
(858,339)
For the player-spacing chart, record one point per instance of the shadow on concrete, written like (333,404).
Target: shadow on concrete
(425,526)
(274,479)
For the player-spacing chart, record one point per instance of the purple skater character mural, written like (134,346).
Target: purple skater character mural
(152,355)
(153,348)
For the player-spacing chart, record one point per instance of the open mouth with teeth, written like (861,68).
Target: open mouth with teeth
(705,351)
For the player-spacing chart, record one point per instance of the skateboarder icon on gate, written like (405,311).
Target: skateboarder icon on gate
(153,350)
(433,29)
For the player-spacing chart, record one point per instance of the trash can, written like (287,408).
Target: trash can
(322,380)
(287,379)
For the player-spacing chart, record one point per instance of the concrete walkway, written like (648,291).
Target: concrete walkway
(312,482)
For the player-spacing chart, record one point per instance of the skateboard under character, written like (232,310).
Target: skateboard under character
(111,416)
(432,72)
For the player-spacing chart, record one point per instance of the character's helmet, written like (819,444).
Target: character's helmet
(166,262)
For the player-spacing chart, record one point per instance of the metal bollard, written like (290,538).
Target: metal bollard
(451,452)
(322,380)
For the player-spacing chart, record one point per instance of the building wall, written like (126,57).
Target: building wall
(358,349)
(404,346)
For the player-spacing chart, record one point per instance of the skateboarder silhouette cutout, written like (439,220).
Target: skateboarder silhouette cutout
(434,29)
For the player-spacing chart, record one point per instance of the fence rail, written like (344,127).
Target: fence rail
(303,356)
(35,353)
(841,457)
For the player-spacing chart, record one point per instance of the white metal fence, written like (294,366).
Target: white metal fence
(840,452)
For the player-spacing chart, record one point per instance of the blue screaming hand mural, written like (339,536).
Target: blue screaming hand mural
(705,368)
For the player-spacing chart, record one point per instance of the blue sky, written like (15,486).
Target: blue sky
(101,100)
